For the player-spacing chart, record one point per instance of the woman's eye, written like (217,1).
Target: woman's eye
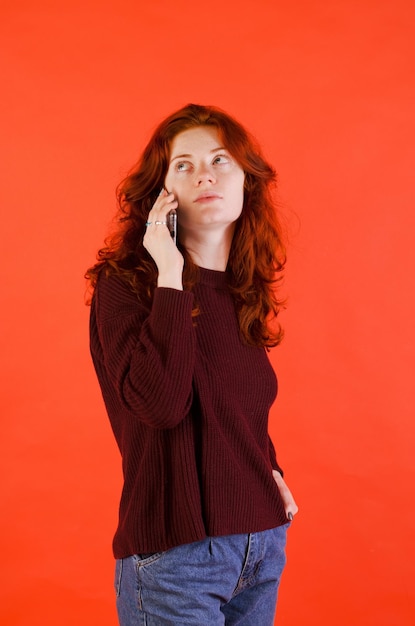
(221,158)
(182,166)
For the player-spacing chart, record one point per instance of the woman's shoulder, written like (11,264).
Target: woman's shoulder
(114,294)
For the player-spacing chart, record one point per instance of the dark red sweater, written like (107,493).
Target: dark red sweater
(189,406)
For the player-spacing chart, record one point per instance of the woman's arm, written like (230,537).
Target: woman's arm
(145,357)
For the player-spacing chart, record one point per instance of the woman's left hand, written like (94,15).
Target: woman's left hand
(290,506)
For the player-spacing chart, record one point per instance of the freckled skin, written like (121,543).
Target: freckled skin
(200,165)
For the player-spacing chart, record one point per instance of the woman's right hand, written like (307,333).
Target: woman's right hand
(159,244)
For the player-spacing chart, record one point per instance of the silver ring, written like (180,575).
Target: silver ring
(148,223)
(160,223)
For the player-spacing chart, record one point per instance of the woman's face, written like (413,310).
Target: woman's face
(206,180)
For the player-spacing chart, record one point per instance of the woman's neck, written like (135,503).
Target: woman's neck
(209,250)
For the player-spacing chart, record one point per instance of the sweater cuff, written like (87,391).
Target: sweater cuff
(171,304)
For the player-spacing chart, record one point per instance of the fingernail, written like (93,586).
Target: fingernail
(290,516)
(161,191)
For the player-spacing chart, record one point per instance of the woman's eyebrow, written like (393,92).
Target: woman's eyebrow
(188,156)
(181,156)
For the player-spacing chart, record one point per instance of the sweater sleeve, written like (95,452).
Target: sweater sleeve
(145,357)
(273,457)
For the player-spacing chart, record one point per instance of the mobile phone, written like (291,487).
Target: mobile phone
(172,224)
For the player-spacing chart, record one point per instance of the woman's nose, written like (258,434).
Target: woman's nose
(204,174)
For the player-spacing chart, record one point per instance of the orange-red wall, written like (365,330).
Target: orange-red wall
(327,87)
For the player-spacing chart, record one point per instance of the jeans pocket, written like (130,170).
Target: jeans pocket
(147,559)
(118,576)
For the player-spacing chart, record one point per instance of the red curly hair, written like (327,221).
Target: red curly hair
(257,256)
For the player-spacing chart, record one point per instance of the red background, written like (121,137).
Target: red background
(327,87)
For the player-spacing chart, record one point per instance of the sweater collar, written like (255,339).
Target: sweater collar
(213,278)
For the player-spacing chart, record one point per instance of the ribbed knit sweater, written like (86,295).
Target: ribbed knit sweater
(188,403)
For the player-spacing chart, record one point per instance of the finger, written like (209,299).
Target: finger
(155,207)
(164,199)
(291,510)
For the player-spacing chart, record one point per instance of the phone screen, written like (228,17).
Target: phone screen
(172,224)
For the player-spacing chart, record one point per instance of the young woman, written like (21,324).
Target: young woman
(179,335)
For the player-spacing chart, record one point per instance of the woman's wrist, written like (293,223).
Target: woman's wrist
(173,280)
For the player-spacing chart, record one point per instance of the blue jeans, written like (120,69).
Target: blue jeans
(231,580)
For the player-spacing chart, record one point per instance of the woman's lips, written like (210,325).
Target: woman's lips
(207,196)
